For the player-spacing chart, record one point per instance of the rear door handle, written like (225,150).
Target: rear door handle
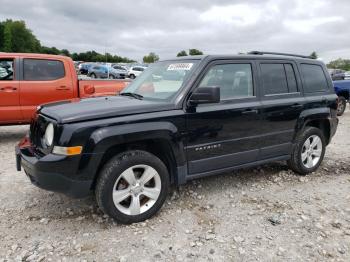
(62,88)
(250,111)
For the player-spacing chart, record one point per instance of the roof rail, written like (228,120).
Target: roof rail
(275,53)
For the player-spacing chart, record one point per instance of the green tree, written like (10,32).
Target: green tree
(314,55)
(340,64)
(181,53)
(7,45)
(16,37)
(195,52)
(2,26)
(150,58)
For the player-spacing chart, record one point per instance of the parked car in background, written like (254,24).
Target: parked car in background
(347,75)
(84,68)
(337,74)
(103,71)
(135,71)
(342,89)
(214,115)
(123,73)
(29,80)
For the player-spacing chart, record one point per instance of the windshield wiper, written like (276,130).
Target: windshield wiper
(134,95)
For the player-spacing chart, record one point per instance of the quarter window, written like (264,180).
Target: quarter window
(42,70)
(234,80)
(314,77)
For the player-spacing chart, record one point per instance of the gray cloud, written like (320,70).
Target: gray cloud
(135,28)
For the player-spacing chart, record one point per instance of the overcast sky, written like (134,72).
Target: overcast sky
(135,28)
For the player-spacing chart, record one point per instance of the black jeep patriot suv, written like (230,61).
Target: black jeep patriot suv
(182,119)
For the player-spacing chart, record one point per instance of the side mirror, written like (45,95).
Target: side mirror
(204,95)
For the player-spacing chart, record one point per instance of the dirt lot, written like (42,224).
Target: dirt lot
(262,214)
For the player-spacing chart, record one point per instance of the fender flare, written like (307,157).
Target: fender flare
(311,115)
(104,138)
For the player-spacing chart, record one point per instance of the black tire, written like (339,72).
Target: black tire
(111,77)
(110,173)
(132,76)
(341,105)
(92,75)
(295,163)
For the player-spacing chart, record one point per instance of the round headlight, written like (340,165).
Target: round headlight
(49,133)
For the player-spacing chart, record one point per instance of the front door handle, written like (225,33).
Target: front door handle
(62,88)
(250,111)
(8,88)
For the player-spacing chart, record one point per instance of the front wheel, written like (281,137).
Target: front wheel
(132,186)
(308,151)
(132,76)
(341,105)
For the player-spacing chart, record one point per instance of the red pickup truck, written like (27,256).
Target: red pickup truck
(29,80)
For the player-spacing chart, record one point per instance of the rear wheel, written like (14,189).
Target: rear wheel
(132,76)
(132,186)
(308,151)
(92,75)
(341,105)
(111,77)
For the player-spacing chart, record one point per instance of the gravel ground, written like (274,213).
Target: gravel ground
(261,214)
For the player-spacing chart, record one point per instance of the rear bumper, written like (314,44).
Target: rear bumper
(333,126)
(51,172)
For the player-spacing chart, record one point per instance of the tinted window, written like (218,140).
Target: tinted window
(291,80)
(274,79)
(315,79)
(234,80)
(42,70)
(6,69)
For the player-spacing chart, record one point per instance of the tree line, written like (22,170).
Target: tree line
(16,37)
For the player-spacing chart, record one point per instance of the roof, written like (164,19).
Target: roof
(35,55)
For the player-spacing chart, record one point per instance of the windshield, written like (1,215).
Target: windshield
(162,80)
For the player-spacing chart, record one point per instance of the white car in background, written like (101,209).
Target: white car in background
(135,71)
(347,75)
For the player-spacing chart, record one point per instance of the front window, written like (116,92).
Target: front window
(6,69)
(162,80)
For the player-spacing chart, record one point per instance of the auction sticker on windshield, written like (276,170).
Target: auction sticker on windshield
(180,66)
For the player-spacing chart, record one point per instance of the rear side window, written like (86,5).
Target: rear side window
(291,80)
(274,79)
(314,77)
(42,70)
(278,79)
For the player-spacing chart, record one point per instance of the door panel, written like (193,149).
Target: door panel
(222,136)
(225,134)
(43,82)
(281,111)
(10,111)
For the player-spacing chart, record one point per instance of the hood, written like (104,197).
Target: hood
(101,107)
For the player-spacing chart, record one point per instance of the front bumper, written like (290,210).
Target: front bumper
(51,172)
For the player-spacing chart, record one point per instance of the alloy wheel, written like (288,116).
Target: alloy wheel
(311,151)
(136,190)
